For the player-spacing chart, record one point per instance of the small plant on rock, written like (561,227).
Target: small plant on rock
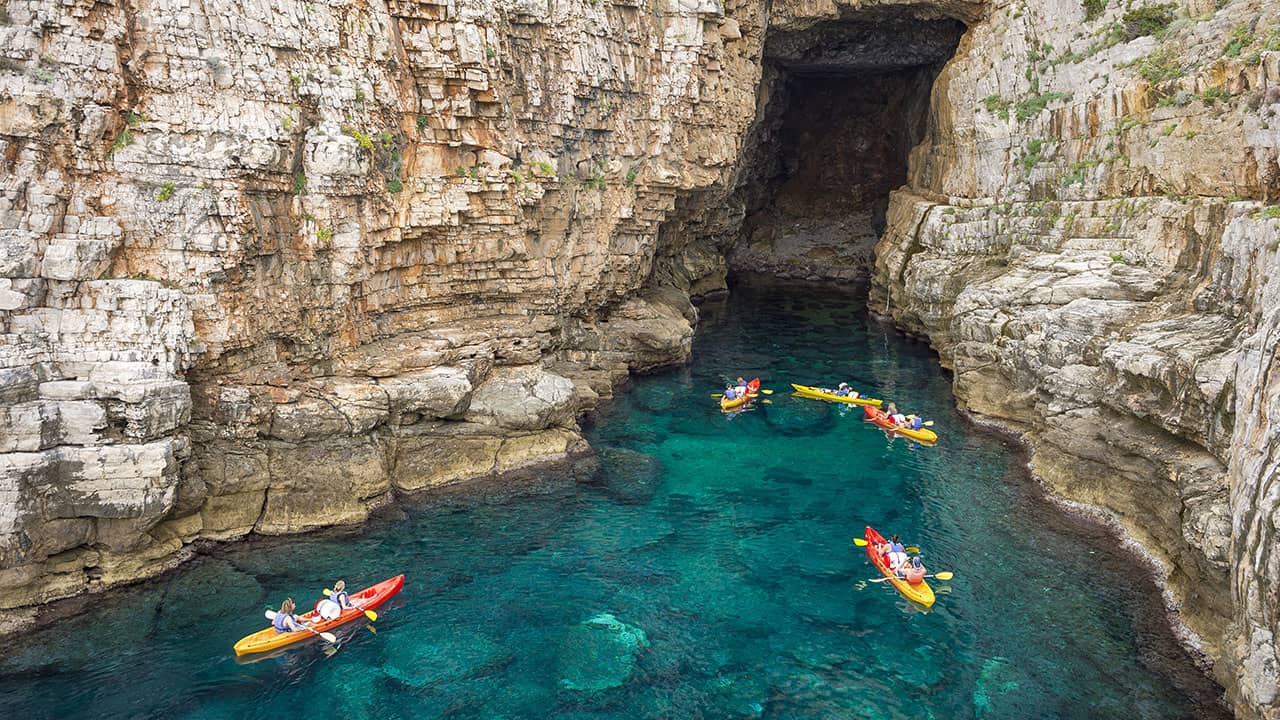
(299,184)
(1093,8)
(1240,39)
(166,192)
(1148,20)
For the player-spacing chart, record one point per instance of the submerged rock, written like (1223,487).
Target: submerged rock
(444,655)
(599,653)
(630,477)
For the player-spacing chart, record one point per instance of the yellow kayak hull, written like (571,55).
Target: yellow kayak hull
(815,393)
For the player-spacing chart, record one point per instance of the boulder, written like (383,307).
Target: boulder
(599,653)
(523,398)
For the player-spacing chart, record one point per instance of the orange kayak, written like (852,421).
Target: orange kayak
(368,598)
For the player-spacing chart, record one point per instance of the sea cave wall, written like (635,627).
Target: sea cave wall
(1088,237)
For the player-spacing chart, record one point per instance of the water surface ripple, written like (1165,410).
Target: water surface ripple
(705,572)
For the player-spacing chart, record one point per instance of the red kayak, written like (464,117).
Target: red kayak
(918,591)
(367,599)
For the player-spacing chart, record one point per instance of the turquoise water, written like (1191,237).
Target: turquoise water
(705,572)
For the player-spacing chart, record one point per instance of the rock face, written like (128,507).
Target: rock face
(1086,239)
(264,266)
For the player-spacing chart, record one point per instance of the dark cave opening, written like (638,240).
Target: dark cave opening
(842,105)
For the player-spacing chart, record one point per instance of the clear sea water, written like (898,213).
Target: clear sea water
(706,572)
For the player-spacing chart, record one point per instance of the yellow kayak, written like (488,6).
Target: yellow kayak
(753,389)
(918,592)
(818,394)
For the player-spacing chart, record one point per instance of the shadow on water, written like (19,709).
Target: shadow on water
(705,570)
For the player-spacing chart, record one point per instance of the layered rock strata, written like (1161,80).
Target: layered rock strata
(264,265)
(1086,237)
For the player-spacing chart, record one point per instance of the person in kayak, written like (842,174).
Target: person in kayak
(285,620)
(845,391)
(895,544)
(912,571)
(742,387)
(891,412)
(340,596)
(730,393)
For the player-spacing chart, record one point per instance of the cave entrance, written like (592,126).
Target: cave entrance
(844,102)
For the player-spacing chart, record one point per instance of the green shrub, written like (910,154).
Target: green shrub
(1159,66)
(630,178)
(422,123)
(362,138)
(1031,155)
(123,140)
(324,234)
(1269,213)
(166,192)
(1093,8)
(1240,39)
(1147,20)
(1031,106)
(997,105)
(299,184)
(1213,95)
(394,186)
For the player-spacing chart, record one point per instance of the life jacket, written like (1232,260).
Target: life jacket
(342,597)
(280,622)
(897,547)
(730,394)
(917,423)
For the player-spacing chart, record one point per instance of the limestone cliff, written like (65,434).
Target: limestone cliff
(264,264)
(1086,238)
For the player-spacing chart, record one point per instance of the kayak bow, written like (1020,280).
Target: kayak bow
(819,394)
(370,597)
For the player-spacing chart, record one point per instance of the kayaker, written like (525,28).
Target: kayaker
(340,596)
(913,571)
(916,422)
(285,620)
(895,545)
(842,390)
(730,393)
(891,413)
(742,387)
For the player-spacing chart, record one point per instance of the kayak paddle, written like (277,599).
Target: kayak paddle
(863,543)
(944,576)
(367,613)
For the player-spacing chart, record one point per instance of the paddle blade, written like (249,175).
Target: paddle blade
(717,395)
(945,575)
(328,637)
(326,592)
(912,549)
(373,616)
(859,542)
(767,402)
(767,392)
(928,423)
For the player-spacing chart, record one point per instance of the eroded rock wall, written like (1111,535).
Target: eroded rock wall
(263,265)
(1087,239)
